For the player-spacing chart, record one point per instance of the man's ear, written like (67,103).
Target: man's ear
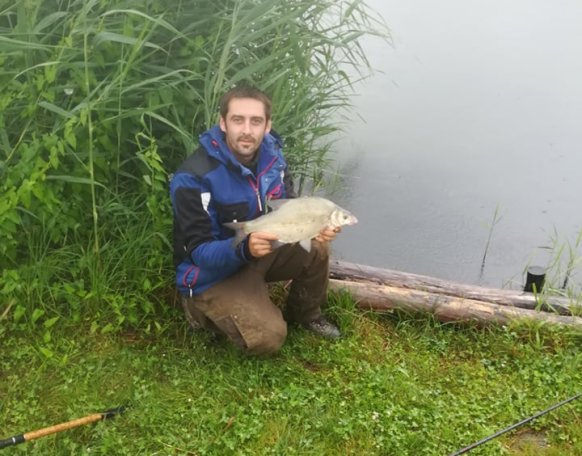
(268,127)
(222,124)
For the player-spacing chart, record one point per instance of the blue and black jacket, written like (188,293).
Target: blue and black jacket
(210,188)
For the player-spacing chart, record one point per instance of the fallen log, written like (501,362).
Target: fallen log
(372,296)
(514,298)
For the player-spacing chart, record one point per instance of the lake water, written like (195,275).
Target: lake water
(475,111)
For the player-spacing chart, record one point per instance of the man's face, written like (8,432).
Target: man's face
(245,127)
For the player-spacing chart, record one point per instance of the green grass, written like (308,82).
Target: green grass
(102,100)
(395,384)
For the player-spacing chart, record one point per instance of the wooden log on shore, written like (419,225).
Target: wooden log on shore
(345,271)
(372,296)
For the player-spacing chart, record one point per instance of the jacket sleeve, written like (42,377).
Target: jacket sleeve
(196,228)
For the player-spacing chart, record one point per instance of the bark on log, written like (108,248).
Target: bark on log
(371,296)
(513,298)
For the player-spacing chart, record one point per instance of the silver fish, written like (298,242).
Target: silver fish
(295,220)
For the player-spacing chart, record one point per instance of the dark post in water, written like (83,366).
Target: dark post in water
(535,279)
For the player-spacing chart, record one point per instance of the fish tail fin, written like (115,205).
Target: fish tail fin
(239,233)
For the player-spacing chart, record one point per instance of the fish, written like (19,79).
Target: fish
(295,220)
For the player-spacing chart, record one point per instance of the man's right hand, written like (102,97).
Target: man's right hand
(260,243)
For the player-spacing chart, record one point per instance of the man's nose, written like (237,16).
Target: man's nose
(247,126)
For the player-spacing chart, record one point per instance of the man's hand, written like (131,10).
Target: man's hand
(260,243)
(327,234)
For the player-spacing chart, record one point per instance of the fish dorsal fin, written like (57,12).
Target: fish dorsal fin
(277,203)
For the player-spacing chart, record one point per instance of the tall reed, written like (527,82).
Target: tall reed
(102,99)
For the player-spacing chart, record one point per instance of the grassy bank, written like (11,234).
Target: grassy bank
(102,100)
(393,385)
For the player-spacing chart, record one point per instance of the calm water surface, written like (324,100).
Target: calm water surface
(477,108)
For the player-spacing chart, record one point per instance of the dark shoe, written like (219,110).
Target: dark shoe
(324,328)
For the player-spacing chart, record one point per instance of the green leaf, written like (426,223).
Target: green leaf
(48,21)
(10,44)
(19,312)
(46,352)
(54,108)
(75,180)
(50,322)
(103,37)
(36,314)
(107,328)
(157,21)
(40,65)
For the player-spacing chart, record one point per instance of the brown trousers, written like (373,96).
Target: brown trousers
(240,307)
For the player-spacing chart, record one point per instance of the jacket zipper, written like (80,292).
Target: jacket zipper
(255,187)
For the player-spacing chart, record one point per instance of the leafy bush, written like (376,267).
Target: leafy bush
(102,99)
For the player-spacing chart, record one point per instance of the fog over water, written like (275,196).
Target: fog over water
(477,108)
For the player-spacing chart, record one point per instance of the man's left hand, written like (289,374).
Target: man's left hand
(327,234)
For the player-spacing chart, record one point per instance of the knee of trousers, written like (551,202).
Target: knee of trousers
(267,341)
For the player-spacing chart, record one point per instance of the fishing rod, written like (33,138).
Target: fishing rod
(513,426)
(21,438)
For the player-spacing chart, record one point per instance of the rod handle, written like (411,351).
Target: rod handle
(62,426)
(15,440)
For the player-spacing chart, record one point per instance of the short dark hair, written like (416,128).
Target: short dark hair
(245,91)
